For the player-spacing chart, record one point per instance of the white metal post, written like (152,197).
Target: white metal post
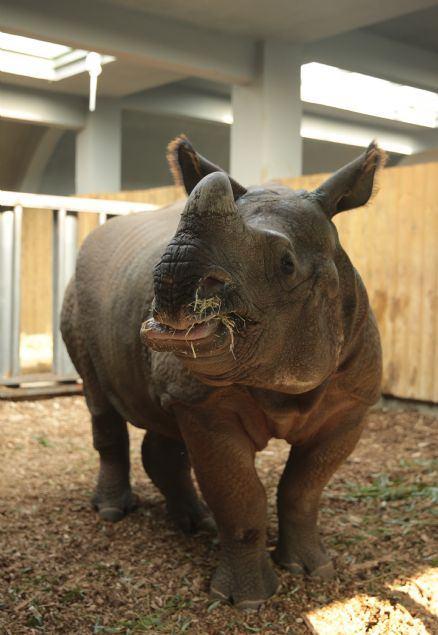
(10,291)
(6,268)
(64,261)
(16,293)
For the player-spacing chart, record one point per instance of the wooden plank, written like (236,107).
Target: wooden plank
(86,224)
(399,282)
(37,378)
(428,381)
(36,272)
(380,294)
(160,196)
(39,391)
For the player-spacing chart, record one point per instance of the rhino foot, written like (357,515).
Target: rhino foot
(246,587)
(191,516)
(314,562)
(114,508)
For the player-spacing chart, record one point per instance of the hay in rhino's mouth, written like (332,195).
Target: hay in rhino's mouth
(155,330)
(161,336)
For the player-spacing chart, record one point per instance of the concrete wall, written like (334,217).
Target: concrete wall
(18,142)
(323,156)
(59,175)
(145,138)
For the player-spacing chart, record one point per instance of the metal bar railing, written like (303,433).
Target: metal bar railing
(6,275)
(73,204)
(16,291)
(10,283)
(64,261)
(64,212)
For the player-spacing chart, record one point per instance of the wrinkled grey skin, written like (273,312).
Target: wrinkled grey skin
(285,345)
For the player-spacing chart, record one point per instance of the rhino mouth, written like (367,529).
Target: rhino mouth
(197,338)
(154,330)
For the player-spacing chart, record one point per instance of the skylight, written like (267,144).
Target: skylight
(338,88)
(42,60)
(29,46)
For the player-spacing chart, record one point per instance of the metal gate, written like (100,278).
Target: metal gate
(64,214)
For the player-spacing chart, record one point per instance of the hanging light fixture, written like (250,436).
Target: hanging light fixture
(93,64)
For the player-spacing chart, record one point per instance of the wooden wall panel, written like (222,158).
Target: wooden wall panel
(160,196)
(86,224)
(36,272)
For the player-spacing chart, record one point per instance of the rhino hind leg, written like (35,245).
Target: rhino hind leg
(113,498)
(307,471)
(167,464)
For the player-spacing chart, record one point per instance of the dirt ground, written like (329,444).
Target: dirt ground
(64,571)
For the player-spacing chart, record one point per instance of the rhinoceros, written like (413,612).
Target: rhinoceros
(217,325)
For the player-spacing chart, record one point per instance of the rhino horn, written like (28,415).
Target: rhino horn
(211,204)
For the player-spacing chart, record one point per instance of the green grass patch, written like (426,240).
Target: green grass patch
(72,596)
(386,488)
(155,621)
(43,441)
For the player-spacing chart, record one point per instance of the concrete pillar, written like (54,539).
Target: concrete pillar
(265,135)
(99,150)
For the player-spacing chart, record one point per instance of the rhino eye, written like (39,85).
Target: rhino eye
(287,263)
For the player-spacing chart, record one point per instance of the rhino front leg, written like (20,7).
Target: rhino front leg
(307,471)
(222,455)
(113,497)
(167,464)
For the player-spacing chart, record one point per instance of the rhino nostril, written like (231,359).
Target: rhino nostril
(210,286)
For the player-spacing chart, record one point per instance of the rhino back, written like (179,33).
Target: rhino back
(114,289)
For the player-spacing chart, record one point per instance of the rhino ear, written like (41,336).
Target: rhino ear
(352,185)
(188,167)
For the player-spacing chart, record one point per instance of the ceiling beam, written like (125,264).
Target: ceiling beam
(377,56)
(312,20)
(322,123)
(109,29)
(180,101)
(40,107)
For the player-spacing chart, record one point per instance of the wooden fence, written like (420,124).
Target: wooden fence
(393,242)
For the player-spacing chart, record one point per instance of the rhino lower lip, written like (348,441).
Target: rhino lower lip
(155,331)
